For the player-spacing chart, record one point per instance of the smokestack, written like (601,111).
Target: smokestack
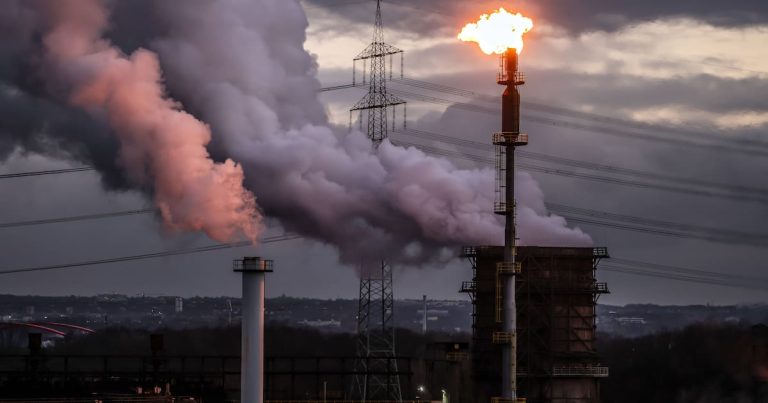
(424,320)
(254,270)
(506,141)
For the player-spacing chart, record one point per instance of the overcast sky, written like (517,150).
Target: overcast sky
(701,66)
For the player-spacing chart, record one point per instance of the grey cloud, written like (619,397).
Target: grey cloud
(431,16)
(704,92)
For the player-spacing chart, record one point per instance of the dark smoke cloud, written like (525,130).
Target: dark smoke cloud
(241,67)
(37,123)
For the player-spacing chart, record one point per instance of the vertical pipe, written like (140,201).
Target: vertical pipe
(424,323)
(253,271)
(510,124)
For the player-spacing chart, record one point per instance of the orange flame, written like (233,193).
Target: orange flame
(497,32)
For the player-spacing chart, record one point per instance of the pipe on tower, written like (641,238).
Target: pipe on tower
(510,127)
(253,271)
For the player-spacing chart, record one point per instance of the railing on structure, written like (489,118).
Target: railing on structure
(468,287)
(510,139)
(503,337)
(509,268)
(263,265)
(600,288)
(503,78)
(501,207)
(593,288)
(588,370)
(468,251)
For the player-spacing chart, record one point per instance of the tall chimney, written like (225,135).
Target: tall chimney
(254,270)
(506,141)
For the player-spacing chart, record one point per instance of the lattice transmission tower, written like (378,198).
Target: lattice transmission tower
(377,376)
(376,105)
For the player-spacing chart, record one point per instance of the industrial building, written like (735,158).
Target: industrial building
(533,320)
(556,294)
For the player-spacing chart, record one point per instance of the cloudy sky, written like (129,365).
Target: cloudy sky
(665,101)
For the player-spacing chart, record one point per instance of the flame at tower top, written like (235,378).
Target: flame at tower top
(497,32)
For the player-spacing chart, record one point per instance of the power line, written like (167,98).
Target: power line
(45,172)
(621,265)
(720,146)
(716,143)
(571,213)
(548,108)
(714,232)
(588,165)
(153,255)
(685,274)
(591,177)
(338,87)
(665,232)
(76,218)
(683,278)
(323,5)
(683,270)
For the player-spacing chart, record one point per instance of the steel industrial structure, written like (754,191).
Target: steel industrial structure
(555,288)
(506,270)
(556,293)
(377,377)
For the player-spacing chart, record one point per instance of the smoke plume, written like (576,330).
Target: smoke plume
(240,66)
(160,144)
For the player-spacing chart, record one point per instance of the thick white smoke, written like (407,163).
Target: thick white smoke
(241,65)
(160,144)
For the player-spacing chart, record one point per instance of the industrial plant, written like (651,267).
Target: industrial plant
(534,308)
(235,145)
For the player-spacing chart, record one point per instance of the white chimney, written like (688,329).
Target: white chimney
(254,270)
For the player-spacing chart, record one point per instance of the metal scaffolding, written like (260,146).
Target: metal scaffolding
(556,295)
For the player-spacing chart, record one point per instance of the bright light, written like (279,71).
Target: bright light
(497,32)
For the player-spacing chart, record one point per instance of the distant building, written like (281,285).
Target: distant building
(329,324)
(178,306)
(631,320)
